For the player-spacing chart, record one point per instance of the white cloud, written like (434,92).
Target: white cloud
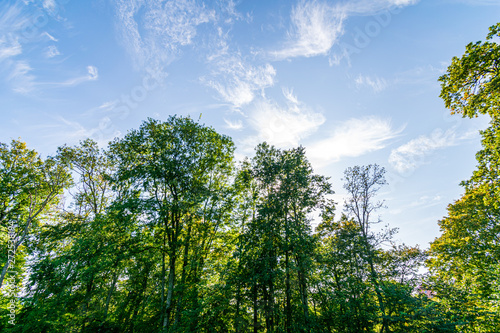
(49,36)
(153,31)
(52,51)
(236,80)
(376,83)
(20,25)
(9,47)
(283,126)
(288,93)
(17,71)
(20,77)
(233,125)
(12,18)
(411,155)
(355,137)
(93,73)
(369,7)
(426,201)
(108,106)
(316,26)
(50,5)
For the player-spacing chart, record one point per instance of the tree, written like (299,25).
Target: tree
(342,286)
(181,170)
(29,187)
(362,184)
(471,83)
(275,246)
(464,259)
(73,255)
(464,262)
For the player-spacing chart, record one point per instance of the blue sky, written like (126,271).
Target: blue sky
(355,82)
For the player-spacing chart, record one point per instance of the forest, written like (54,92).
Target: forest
(163,231)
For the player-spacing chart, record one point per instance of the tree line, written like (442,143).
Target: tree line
(162,231)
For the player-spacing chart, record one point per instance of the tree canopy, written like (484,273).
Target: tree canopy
(163,231)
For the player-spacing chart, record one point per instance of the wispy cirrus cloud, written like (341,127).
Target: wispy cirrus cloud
(23,81)
(375,83)
(282,125)
(237,81)
(22,27)
(153,31)
(49,36)
(20,77)
(236,78)
(408,157)
(316,26)
(233,125)
(369,7)
(426,201)
(354,137)
(421,75)
(92,75)
(16,71)
(9,47)
(12,18)
(50,5)
(52,51)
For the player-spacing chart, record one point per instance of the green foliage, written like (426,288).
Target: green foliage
(472,82)
(29,190)
(274,265)
(464,259)
(161,232)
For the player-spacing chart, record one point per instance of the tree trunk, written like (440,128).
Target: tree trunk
(254,296)
(110,292)
(163,270)
(88,297)
(288,309)
(303,290)
(237,314)
(139,298)
(183,278)
(374,279)
(288,292)
(170,292)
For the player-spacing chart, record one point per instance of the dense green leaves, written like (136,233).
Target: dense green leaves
(162,232)
(464,260)
(471,84)
(29,187)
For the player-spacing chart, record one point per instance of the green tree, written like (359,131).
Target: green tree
(72,254)
(464,259)
(29,187)
(362,184)
(181,170)
(471,83)
(343,292)
(276,243)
